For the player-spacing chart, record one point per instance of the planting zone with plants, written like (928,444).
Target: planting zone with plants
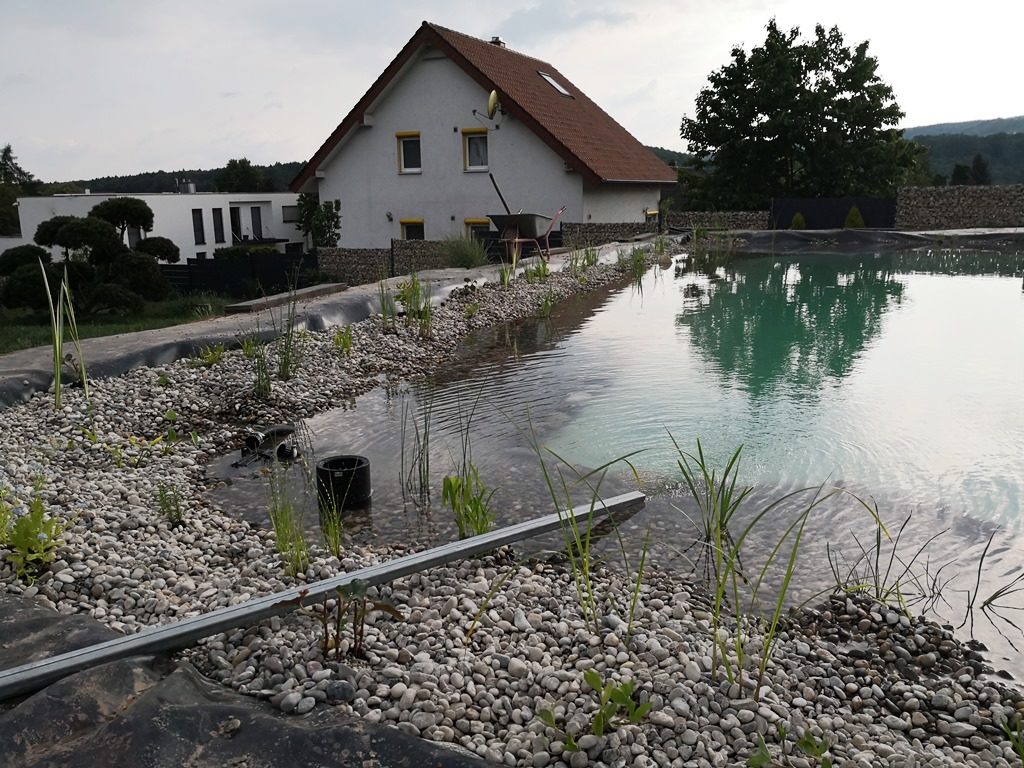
(573,659)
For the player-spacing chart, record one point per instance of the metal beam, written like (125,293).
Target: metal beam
(38,674)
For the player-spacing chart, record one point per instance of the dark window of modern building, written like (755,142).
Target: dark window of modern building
(257,223)
(412,229)
(218,225)
(197,226)
(236,224)
(290,214)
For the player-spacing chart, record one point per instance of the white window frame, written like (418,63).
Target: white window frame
(408,136)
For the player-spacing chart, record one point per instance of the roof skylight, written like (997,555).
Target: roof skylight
(554,84)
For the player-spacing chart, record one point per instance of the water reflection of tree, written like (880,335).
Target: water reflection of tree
(796,321)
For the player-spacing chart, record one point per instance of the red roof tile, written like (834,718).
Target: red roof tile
(582,133)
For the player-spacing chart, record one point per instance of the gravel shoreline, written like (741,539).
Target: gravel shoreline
(875,686)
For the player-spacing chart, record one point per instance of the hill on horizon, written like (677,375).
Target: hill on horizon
(969,127)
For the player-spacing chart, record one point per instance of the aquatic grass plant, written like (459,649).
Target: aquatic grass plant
(590,256)
(249,344)
(62,314)
(470,501)
(1015,735)
(508,272)
(719,500)
(415,459)
(547,304)
(994,605)
(286,519)
(537,273)
(332,529)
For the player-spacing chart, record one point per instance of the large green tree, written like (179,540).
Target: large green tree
(795,118)
(242,176)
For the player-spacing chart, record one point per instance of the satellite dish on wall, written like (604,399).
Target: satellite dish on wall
(492,105)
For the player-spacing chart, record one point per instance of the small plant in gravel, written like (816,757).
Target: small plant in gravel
(209,355)
(168,501)
(810,748)
(615,707)
(1015,733)
(388,311)
(590,257)
(410,296)
(32,536)
(538,273)
(470,310)
(353,597)
(249,344)
(342,340)
(547,304)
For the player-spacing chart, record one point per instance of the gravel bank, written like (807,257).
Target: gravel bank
(877,687)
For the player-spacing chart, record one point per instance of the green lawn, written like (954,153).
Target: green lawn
(21,329)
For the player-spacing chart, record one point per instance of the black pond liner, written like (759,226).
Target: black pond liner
(343,483)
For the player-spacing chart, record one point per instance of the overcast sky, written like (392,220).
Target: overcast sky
(110,87)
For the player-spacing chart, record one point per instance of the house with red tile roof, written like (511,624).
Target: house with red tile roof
(415,157)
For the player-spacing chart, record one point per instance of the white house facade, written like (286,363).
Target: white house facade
(416,156)
(197,222)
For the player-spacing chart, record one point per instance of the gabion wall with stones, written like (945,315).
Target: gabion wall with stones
(718,219)
(960,207)
(358,266)
(582,235)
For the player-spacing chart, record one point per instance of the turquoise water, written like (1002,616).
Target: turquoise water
(899,377)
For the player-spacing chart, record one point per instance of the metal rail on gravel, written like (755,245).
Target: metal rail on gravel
(38,674)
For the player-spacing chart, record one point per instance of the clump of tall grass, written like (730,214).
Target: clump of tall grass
(464,252)
(470,501)
(718,502)
(286,519)
(537,273)
(547,304)
(168,501)
(289,341)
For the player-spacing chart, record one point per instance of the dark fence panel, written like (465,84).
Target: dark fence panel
(241,277)
(830,213)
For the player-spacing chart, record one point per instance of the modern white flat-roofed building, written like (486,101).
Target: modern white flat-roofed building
(413,159)
(197,222)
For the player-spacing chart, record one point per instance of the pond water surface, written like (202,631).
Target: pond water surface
(899,377)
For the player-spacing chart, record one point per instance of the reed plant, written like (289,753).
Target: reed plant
(994,606)
(415,459)
(547,304)
(62,315)
(718,501)
(537,273)
(286,519)
(289,341)
(590,256)
(388,311)
(332,529)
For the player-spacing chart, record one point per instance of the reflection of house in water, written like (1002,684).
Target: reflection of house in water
(793,320)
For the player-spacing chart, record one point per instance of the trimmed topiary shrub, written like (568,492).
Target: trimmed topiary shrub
(139,273)
(25,287)
(160,248)
(109,299)
(853,219)
(21,255)
(798,221)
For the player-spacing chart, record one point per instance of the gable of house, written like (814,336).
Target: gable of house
(534,92)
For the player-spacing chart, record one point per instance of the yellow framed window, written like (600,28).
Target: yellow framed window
(412,229)
(477,228)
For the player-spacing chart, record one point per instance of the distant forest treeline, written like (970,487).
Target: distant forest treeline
(276,178)
(1004,153)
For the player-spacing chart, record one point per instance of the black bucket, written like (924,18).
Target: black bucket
(343,482)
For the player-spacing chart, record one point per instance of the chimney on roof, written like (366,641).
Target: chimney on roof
(497,41)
